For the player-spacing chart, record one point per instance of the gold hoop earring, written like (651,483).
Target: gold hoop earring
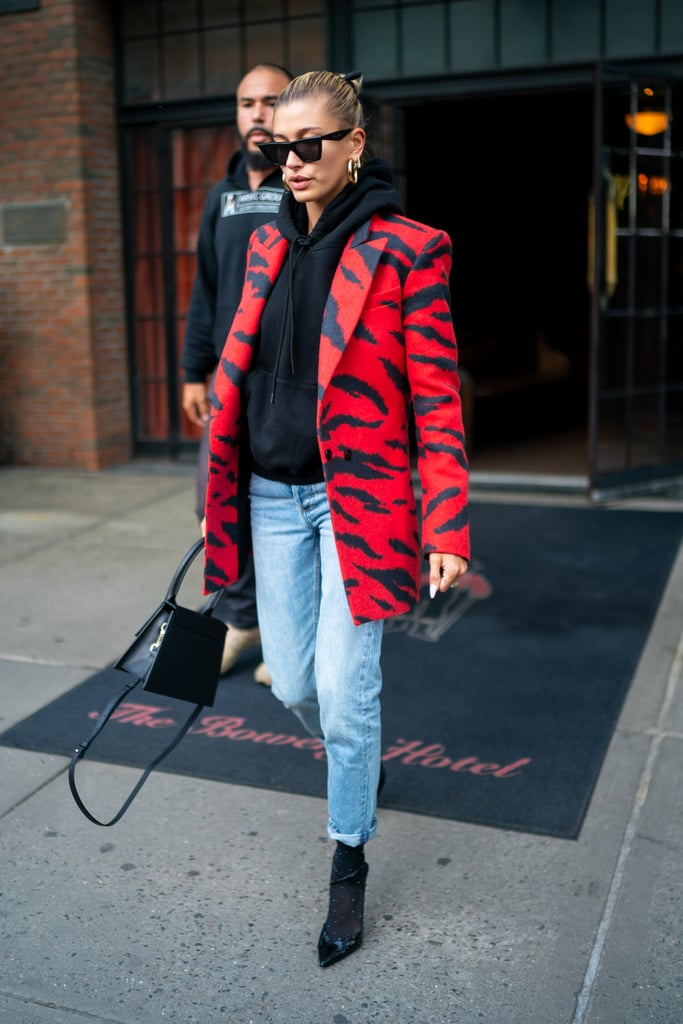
(352,171)
(284,182)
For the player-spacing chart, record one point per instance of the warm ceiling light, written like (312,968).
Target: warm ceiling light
(648,122)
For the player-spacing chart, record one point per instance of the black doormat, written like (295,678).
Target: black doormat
(499,700)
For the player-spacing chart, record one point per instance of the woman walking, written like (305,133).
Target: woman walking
(343,339)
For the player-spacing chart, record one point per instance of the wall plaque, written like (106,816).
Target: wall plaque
(33,223)
(9,6)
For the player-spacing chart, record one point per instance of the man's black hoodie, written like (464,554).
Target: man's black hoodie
(231,212)
(281,388)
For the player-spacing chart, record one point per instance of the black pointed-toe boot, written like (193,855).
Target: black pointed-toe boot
(343,930)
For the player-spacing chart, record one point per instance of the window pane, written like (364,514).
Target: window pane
(647,353)
(145,222)
(472,35)
(645,426)
(181,65)
(186,266)
(200,155)
(178,14)
(575,30)
(648,273)
(265,43)
(306,7)
(148,285)
(374,43)
(629,28)
(141,163)
(140,18)
(613,355)
(188,204)
(307,46)
(676,193)
(676,275)
(220,12)
(522,30)
(620,297)
(222,61)
(141,71)
(652,187)
(674,352)
(424,38)
(256,9)
(671,26)
(611,454)
(150,351)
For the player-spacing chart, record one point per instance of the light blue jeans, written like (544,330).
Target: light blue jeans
(324,668)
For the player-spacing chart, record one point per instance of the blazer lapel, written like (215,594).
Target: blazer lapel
(350,286)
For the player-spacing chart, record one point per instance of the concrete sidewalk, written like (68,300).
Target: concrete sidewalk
(205,902)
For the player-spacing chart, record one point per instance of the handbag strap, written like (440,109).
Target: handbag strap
(171,594)
(99,725)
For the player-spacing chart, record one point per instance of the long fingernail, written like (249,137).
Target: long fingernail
(433,589)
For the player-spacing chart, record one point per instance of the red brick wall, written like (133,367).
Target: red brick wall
(64,392)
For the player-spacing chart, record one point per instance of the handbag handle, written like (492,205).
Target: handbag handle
(181,572)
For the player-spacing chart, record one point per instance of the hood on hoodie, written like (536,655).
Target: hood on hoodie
(355,204)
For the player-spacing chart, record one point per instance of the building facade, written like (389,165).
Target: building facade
(542,134)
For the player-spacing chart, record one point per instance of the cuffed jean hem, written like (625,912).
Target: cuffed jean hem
(351,840)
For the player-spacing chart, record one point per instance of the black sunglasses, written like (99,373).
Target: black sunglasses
(308,150)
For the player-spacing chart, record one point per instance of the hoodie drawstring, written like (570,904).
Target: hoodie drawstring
(287,328)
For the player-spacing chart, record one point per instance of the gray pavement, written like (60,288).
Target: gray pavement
(205,902)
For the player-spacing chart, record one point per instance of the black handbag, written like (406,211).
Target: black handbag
(176,653)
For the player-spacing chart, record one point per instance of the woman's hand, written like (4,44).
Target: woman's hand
(196,405)
(444,571)
(202,527)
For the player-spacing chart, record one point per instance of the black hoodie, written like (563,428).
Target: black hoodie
(281,387)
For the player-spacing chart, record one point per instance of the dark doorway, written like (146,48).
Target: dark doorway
(509,177)
(636,409)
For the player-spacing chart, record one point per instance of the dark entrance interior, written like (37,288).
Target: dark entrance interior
(508,177)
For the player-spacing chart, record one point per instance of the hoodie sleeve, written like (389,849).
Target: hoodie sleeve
(198,357)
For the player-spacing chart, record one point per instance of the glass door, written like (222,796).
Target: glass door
(636,279)
(169,171)
(199,160)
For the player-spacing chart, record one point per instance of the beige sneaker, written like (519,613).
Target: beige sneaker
(262,675)
(236,642)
